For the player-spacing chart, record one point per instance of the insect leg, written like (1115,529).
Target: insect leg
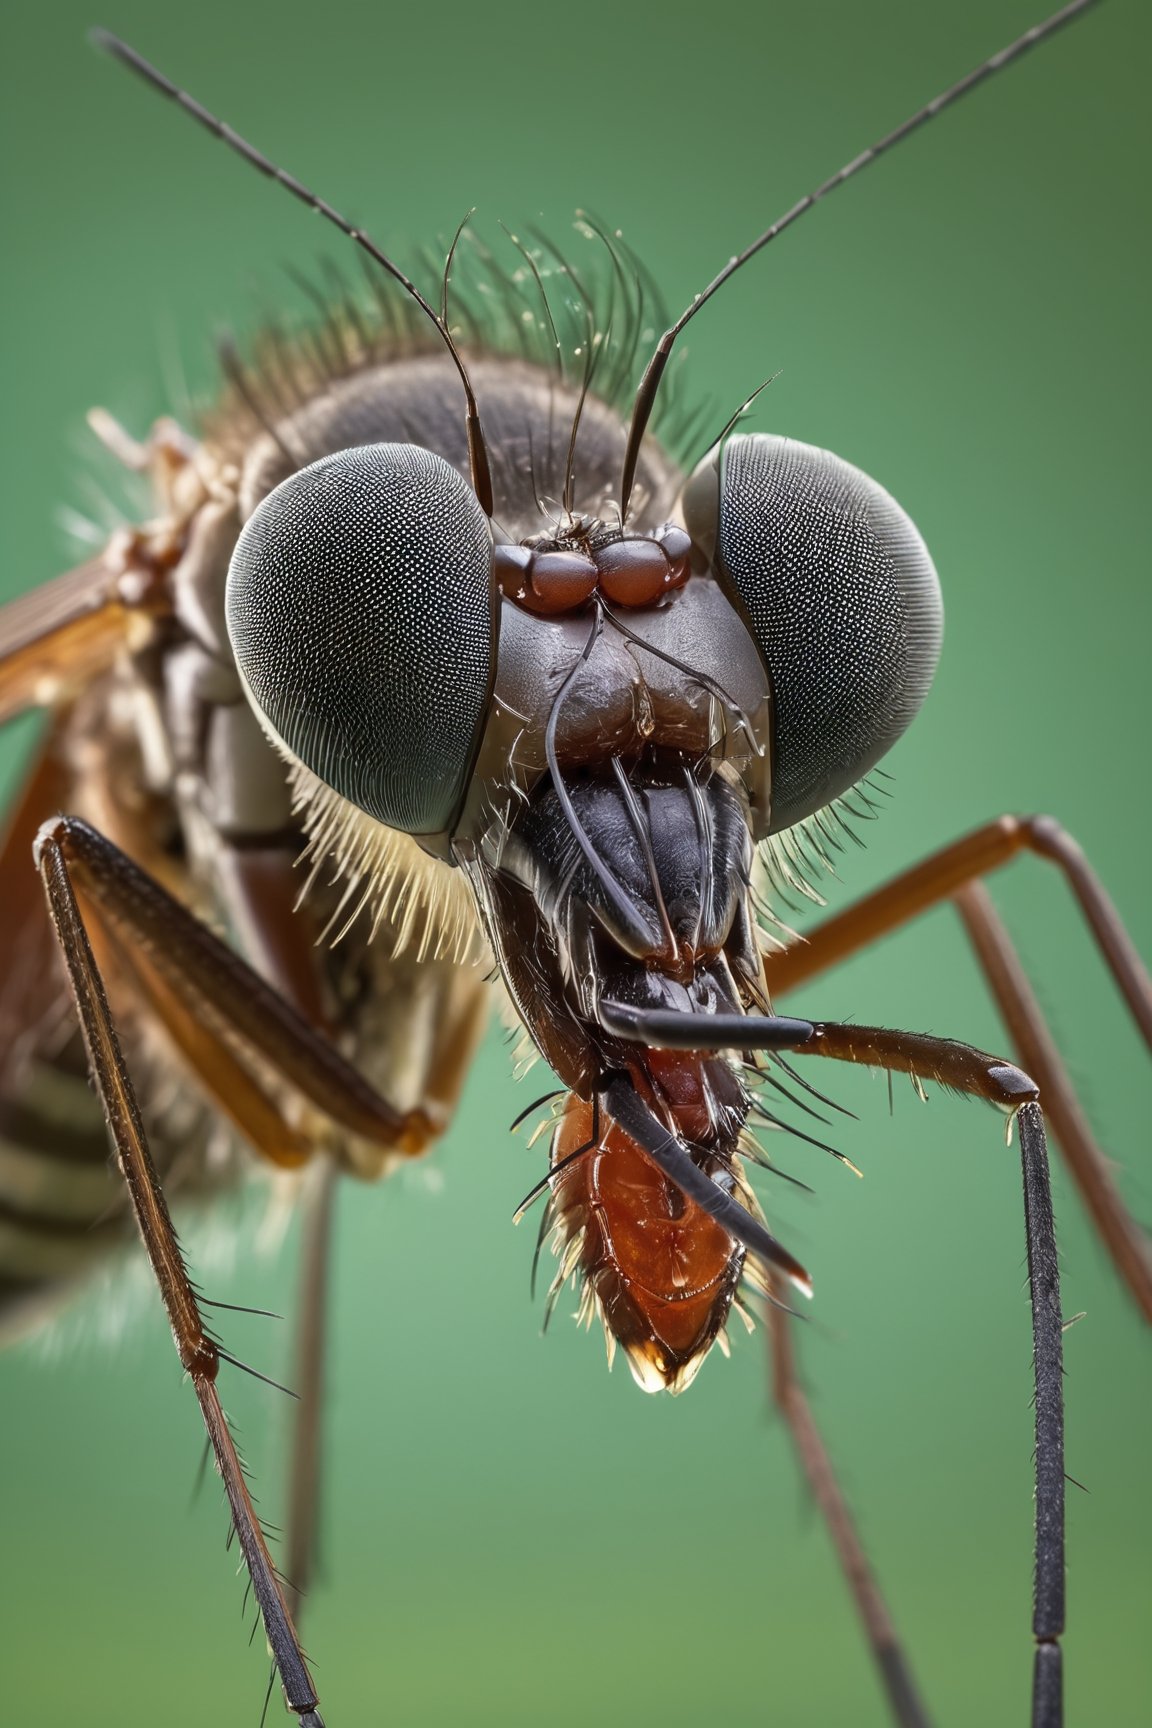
(952,874)
(938,878)
(961,1068)
(247,1048)
(903,1696)
(1127,1244)
(968,1070)
(198,1352)
(624,1105)
(305,1469)
(222,1002)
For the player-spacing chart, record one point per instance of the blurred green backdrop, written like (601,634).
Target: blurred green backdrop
(511,1535)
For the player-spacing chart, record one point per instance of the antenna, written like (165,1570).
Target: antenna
(654,371)
(477,449)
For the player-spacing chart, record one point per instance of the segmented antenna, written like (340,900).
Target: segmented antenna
(477,449)
(654,371)
(449,261)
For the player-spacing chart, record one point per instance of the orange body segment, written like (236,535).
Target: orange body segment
(660,1271)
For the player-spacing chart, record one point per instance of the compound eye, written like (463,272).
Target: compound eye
(362,613)
(840,595)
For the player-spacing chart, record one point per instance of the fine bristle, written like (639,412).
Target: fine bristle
(385,876)
(654,1372)
(531,312)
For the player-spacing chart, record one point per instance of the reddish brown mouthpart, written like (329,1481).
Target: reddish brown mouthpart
(660,1272)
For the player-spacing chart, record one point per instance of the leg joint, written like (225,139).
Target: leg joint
(49,837)
(1012,1086)
(199,1357)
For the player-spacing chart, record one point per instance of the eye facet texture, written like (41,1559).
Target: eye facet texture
(362,614)
(844,604)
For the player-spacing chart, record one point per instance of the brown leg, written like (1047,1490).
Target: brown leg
(260,1118)
(1126,1242)
(217,1009)
(953,874)
(903,1697)
(251,1054)
(939,877)
(259,1061)
(198,1352)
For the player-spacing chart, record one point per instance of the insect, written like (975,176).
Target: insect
(936,1016)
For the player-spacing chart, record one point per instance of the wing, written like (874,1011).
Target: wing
(53,640)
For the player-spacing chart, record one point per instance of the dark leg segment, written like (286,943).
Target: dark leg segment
(1048,1352)
(198,1352)
(624,1105)
(954,873)
(973,1071)
(903,1697)
(964,1069)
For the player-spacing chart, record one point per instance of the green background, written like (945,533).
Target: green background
(511,1535)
